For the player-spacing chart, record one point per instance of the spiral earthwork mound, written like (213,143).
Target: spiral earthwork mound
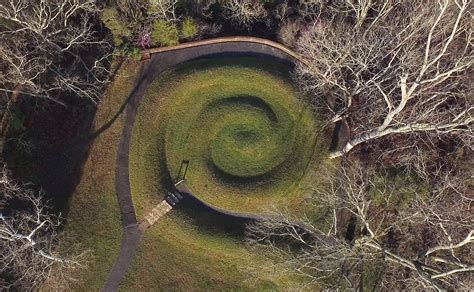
(251,139)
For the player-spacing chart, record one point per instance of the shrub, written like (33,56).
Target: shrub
(128,51)
(189,28)
(165,33)
(110,18)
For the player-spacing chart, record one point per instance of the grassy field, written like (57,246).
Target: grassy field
(94,217)
(252,143)
(176,254)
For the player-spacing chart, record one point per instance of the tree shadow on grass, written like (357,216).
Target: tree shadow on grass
(58,169)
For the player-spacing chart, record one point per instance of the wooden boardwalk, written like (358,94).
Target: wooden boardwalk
(164,207)
(159,211)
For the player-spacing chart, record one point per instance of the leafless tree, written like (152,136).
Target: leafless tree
(406,70)
(132,10)
(35,35)
(207,30)
(29,239)
(360,12)
(164,9)
(282,10)
(296,247)
(311,9)
(245,12)
(45,50)
(434,235)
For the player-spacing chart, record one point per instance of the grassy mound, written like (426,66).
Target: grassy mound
(251,142)
(250,138)
(186,250)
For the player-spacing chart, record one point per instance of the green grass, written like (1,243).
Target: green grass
(252,143)
(176,254)
(191,250)
(251,140)
(239,117)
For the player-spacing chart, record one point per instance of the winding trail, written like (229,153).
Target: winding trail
(155,61)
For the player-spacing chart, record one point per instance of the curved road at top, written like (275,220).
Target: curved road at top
(155,61)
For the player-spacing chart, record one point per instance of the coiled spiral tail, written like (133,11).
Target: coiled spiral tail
(250,138)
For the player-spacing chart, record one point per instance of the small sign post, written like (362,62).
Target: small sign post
(183,169)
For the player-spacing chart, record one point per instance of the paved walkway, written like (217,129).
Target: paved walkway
(146,54)
(130,241)
(156,61)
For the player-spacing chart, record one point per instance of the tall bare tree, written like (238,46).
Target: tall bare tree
(50,48)
(245,12)
(39,42)
(404,68)
(416,239)
(29,240)
(164,9)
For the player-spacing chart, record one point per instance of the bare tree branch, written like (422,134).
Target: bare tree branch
(441,261)
(403,70)
(245,12)
(39,41)
(29,239)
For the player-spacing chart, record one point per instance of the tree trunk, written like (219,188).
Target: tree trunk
(354,142)
(5,123)
(375,134)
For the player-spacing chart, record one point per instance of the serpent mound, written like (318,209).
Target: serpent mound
(250,138)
